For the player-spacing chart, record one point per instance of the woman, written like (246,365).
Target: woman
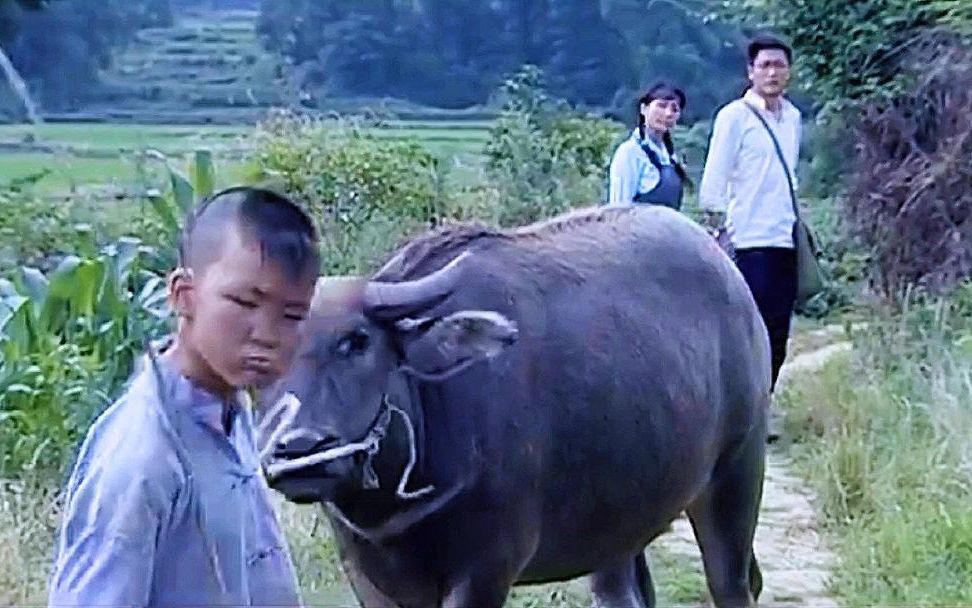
(644,168)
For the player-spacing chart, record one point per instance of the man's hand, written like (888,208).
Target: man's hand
(714,223)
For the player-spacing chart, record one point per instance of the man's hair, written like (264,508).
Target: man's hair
(763,43)
(285,233)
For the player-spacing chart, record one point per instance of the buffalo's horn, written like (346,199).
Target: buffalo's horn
(412,294)
(337,293)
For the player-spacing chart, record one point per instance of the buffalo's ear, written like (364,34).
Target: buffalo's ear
(445,346)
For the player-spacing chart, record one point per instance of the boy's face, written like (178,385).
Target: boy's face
(241,316)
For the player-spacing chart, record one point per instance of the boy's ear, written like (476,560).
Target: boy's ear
(181,292)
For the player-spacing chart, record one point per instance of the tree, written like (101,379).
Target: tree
(677,41)
(589,59)
(59,46)
(453,54)
(849,53)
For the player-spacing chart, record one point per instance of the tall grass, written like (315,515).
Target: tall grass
(883,433)
(28,517)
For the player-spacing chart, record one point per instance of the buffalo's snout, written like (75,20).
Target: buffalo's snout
(298,472)
(304,442)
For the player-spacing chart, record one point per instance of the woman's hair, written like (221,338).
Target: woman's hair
(666,91)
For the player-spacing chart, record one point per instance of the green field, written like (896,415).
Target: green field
(122,136)
(81,155)
(68,173)
(104,136)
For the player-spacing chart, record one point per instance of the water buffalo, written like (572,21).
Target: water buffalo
(504,407)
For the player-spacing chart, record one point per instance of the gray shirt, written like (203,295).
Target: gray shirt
(164,508)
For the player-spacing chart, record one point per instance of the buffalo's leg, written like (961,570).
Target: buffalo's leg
(755,577)
(368,595)
(645,584)
(724,518)
(626,584)
(477,591)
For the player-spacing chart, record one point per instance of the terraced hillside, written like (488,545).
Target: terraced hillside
(207,67)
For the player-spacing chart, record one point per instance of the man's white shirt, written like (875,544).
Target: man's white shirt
(743,176)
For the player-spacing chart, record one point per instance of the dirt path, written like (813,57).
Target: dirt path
(794,558)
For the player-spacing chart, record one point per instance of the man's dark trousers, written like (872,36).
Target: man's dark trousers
(771,274)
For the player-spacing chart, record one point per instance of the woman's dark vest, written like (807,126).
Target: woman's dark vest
(668,191)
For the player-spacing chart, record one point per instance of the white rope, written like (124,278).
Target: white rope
(336,512)
(412,459)
(438,376)
(369,445)
(273,412)
(277,468)
(289,404)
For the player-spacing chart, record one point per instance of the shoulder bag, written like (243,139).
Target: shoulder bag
(810,279)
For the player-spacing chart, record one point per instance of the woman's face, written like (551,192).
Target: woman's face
(661,114)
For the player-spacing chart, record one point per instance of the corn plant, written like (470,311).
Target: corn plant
(184,193)
(67,341)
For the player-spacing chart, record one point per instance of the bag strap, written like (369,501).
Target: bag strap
(779,154)
(652,156)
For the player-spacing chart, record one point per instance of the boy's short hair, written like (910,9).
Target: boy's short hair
(283,230)
(766,42)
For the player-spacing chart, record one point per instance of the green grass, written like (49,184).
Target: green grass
(123,136)
(126,133)
(103,154)
(883,436)
(102,136)
(70,173)
(66,171)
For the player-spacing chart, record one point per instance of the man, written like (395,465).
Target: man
(744,180)
(166,505)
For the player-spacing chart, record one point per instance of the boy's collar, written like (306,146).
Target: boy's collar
(187,396)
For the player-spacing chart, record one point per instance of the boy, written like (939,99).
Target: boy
(166,505)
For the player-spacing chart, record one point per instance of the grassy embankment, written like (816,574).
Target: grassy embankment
(882,433)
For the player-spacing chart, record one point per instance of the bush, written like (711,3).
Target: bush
(163,226)
(826,153)
(363,191)
(543,158)
(910,204)
(35,230)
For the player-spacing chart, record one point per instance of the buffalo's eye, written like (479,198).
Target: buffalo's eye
(355,342)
